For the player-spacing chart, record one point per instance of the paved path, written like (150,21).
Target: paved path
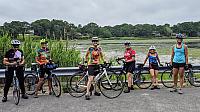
(137,101)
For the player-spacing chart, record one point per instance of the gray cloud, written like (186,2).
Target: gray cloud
(103,12)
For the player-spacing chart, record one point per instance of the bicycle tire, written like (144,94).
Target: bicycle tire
(142,81)
(194,79)
(56,87)
(105,82)
(78,90)
(169,76)
(30,83)
(117,85)
(16,92)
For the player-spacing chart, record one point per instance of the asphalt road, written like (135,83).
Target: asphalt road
(137,101)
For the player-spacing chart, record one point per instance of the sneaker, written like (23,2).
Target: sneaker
(35,96)
(87,97)
(51,93)
(132,87)
(152,88)
(156,87)
(97,93)
(173,90)
(180,91)
(4,99)
(127,90)
(24,96)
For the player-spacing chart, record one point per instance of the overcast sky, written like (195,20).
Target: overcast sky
(103,12)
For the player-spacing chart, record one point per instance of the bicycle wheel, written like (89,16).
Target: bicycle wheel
(111,86)
(105,83)
(78,84)
(16,91)
(30,82)
(167,79)
(143,81)
(56,87)
(194,79)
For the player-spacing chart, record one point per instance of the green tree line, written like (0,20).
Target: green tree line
(63,30)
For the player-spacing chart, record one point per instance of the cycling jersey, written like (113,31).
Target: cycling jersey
(13,55)
(94,55)
(179,54)
(153,59)
(43,55)
(128,55)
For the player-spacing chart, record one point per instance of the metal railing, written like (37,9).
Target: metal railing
(67,71)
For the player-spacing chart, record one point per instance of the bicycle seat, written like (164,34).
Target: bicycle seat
(32,64)
(82,67)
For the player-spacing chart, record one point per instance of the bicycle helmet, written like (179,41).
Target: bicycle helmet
(15,42)
(95,39)
(127,43)
(43,41)
(152,47)
(179,36)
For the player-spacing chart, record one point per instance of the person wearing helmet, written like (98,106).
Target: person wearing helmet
(129,56)
(14,60)
(42,58)
(179,59)
(93,57)
(152,55)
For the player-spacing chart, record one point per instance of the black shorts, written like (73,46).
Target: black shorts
(43,70)
(153,66)
(129,66)
(93,70)
(178,65)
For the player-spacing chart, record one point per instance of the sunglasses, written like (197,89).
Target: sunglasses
(95,41)
(16,46)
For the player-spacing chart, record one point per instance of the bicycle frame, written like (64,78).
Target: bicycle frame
(97,78)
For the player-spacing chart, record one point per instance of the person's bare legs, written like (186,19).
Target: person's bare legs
(152,77)
(155,77)
(129,79)
(41,80)
(90,79)
(50,85)
(175,77)
(181,77)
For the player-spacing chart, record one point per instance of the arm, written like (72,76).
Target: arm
(22,61)
(146,59)
(172,56)
(6,62)
(86,56)
(102,57)
(158,60)
(186,54)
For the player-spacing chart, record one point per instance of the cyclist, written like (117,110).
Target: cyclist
(152,55)
(14,60)
(179,59)
(129,56)
(93,57)
(42,58)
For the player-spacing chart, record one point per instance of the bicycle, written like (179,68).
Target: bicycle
(32,79)
(16,89)
(107,81)
(139,78)
(167,76)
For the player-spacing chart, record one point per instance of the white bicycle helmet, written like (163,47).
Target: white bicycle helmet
(152,47)
(15,42)
(95,39)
